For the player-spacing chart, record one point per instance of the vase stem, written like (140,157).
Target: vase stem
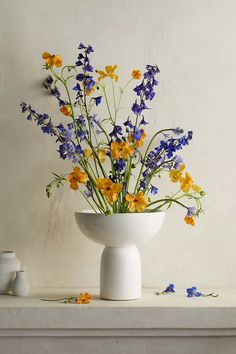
(120,273)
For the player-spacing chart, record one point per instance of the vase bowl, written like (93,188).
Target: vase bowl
(120,270)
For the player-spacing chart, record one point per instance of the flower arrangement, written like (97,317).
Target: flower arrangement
(111,168)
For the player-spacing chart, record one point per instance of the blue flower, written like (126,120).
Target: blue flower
(78,89)
(178,161)
(192,292)
(81,120)
(136,108)
(143,122)
(137,134)
(128,124)
(89,49)
(119,165)
(143,183)
(79,149)
(81,46)
(154,190)
(117,130)
(191,211)
(67,151)
(98,100)
(66,134)
(81,134)
(178,131)
(48,128)
(170,289)
(80,77)
(88,68)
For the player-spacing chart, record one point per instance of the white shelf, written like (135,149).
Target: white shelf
(154,318)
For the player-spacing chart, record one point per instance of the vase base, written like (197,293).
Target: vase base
(120,275)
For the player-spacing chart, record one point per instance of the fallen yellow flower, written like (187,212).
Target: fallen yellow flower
(84,298)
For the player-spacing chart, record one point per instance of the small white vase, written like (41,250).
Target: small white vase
(20,285)
(120,271)
(9,264)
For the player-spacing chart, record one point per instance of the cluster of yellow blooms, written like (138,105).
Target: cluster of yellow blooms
(186,182)
(186,185)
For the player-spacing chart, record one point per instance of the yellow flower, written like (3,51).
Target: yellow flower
(121,150)
(66,110)
(52,59)
(84,298)
(136,74)
(176,174)
(138,143)
(137,202)
(76,177)
(187,184)
(190,220)
(108,73)
(88,153)
(88,92)
(109,189)
(88,88)
(101,154)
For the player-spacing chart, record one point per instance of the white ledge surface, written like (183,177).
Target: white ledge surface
(163,312)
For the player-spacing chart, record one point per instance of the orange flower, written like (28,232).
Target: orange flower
(88,87)
(76,177)
(176,174)
(52,59)
(108,73)
(136,74)
(66,110)
(187,184)
(190,220)
(101,154)
(84,298)
(88,153)
(109,189)
(121,150)
(138,143)
(88,92)
(137,202)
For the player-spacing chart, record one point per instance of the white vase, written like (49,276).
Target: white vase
(9,264)
(20,285)
(120,270)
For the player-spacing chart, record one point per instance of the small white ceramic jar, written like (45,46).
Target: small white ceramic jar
(9,264)
(20,285)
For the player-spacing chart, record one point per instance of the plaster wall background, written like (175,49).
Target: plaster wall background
(193,43)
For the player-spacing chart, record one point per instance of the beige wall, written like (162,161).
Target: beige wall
(193,42)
